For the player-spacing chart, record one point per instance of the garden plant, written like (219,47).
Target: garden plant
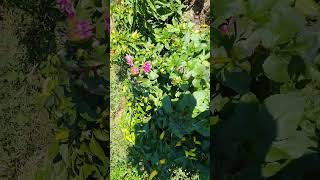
(164,64)
(265,89)
(75,92)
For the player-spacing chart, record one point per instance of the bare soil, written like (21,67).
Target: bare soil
(198,11)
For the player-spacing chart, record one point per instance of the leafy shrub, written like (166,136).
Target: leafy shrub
(167,92)
(148,15)
(75,94)
(265,76)
(143,16)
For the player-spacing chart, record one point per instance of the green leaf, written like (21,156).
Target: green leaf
(271,169)
(60,170)
(297,145)
(153,75)
(64,151)
(276,154)
(97,150)
(285,22)
(239,81)
(87,170)
(100,28)
(83,148)
(166,102)
(276,68)
(101,135)
(53,149)
(287,110)
(226,8)
(85,9)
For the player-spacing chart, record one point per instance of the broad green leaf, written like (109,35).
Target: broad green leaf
(285,22)
(276,68)
(287,110)
(53,149)
(153,75)
(101,135)
(276,154)
(97,150)
(64,152)
(166,102)
(239,81)
(296,146)
(271,169)
(60,170)
(88,169)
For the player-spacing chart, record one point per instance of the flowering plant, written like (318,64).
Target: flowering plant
(75,93)
(167,111)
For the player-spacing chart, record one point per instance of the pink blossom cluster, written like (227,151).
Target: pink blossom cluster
(66,6)
(129,60)
(84,29)
(146,66)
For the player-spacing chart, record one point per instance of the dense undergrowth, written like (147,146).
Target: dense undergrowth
(165,73)
(265,89)
(76,93)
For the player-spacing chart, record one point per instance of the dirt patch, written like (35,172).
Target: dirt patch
(198,11)
(25,131)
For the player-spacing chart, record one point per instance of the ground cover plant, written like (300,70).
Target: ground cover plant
(165,73)
(265,89)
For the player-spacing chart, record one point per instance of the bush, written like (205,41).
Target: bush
(148,15)
(265,76)
(167,90)
(75,94)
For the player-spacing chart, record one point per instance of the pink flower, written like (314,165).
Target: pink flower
(70,11)
(136,70)
(146,67)
(63,3)
(66,5)
(129,60)
(224,28)
(84,29)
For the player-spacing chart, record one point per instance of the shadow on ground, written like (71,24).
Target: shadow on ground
(149,149)
(241,144)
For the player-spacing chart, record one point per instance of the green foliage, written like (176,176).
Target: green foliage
(167,110)
(265,76)
(148,14)
(75,95)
